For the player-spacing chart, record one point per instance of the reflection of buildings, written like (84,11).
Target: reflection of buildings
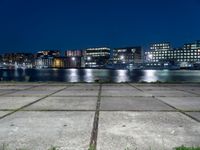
(75,58)
(162,55)
(97,57)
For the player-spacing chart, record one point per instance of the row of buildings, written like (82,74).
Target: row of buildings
(89,58)
(158,55)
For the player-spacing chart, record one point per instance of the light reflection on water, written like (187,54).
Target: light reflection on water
(73,75)
(88,75)
(121,76)
(149,76)
(105,75)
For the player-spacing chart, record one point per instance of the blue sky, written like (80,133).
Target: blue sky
(32,25)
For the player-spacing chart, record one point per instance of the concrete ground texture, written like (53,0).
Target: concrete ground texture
(125,116)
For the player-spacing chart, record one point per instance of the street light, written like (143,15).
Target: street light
(88,58)
(73,58)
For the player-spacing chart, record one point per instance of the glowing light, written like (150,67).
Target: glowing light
(73,75)
(122,76)
(57,63)
(150,56)
(166,64)
(121,57)
(150,76)
(73,58)
(88,58)
(88,75)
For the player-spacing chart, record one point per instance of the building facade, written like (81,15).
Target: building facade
(75,58)
(44,62)
(46,59)
(59,62)
(97,57)
(127,55)
(18,60)
(51,53)
(163,55)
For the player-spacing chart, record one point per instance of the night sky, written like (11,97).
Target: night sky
(32,25)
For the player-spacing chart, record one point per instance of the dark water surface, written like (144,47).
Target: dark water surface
(92,75)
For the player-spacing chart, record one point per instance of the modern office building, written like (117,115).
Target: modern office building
(97,57)
(163,55)
(159,52)
(127,55)
(75,58)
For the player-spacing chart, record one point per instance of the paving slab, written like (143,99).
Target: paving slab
(124,92)
(5,91)
(197,92)
(65,103)
(194,114)
(132,103)
(117,87)
(146,130)
(186,87)
(30,93)
(2,113)
(84,87)
(15,102)
(171,93)
(15,87)
(183,103)
(49,87)
(70,92)
(155,88)
(21,83)
(40,130)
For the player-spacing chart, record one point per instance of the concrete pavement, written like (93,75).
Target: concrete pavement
(36,116)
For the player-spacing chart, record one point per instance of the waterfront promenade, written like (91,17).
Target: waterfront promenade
(36,116)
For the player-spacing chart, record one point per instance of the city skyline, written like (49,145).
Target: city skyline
(143,47)
(38,25)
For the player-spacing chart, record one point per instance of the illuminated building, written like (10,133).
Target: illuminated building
(127,55)
(44,62)
(163,55)
(18,57)
(51,53)
(59,62)
(75,58)
(18,60)
(45,59)
(97,57)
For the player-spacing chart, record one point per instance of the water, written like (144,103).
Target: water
(93,75)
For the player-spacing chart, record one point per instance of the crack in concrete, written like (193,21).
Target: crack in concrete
(94,134)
